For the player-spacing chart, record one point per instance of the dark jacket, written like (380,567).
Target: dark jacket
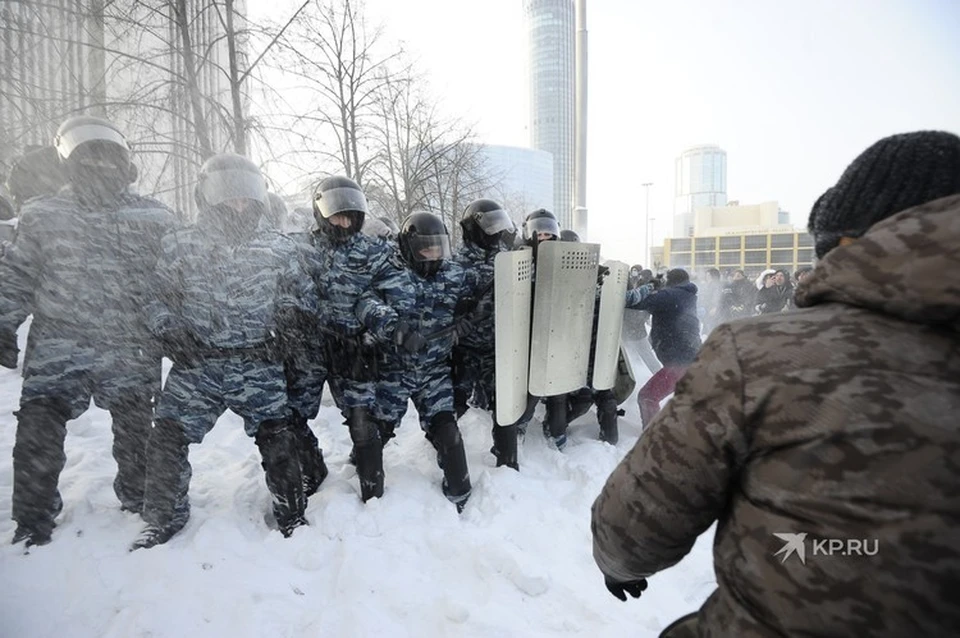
(675,328)
(837,421)
(774,299)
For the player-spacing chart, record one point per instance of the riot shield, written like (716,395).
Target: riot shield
(563,305)
(609,322)
(626,383)
(513,295)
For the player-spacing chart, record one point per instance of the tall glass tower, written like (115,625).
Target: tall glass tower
(701,180)
(551,33)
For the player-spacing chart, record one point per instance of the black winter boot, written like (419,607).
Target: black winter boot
(505,445)
(312,467)
(38,459)
(607,415)
(579,403)
(445,436)
(281,465)
(368,452)
(555,422)
(166,505)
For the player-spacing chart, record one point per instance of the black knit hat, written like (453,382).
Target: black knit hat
(896,173)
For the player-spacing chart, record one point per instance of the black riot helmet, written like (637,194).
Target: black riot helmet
(37,172)
(339,195)
(96,157)
(232,195)
(540,221)
(569,235)
(485,224)
(424,243)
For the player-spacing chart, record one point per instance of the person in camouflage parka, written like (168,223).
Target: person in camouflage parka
(836,421)
(82,263)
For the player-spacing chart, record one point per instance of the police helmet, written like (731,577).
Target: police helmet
(229,176)
(424,243)
(540,221)
(487,225)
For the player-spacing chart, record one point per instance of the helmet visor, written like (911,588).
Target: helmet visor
(339,200)
(429,247)
(220,186)
(68,141)
(494,221)
(541,225)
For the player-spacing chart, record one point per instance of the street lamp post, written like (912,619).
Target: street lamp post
(646,226)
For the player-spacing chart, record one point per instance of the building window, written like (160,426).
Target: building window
(781,257)
(680,261)
(804,240)
(805,256)
(680,245)
(755,257)
(707,258)
(730,243)
(730,259)
(706,243)
(782,240)
(755,241)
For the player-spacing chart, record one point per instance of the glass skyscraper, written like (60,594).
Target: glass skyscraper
(700,180)
(551,34)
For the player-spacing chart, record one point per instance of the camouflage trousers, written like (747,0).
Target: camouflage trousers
(60,377)
(430,389)
(195,397)
(306,372)
(192,400)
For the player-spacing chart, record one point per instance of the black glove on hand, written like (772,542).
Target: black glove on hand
(602,272)
(620,590)
(462,327)
(181,347)
(408,338)
(8,350)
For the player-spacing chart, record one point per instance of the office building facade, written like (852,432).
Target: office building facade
(700,180)
(523,178)
(551,33)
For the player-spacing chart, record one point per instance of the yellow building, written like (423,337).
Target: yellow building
(750,238)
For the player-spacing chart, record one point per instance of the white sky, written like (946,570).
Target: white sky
(792,91)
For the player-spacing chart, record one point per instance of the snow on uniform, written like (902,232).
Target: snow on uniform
(84,274)
(228,298)
(427,304)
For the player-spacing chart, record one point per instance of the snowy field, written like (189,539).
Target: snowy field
(517,562)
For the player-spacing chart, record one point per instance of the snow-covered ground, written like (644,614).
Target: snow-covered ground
(517,562)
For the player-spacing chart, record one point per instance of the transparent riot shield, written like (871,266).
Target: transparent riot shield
(563,306)
(513,296)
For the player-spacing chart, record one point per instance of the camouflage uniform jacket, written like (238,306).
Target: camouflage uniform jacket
(481,263)
(427,305)
(343,272)
(839,421)
(228,296)
(85,273)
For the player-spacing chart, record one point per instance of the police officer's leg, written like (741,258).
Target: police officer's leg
(256,388)
(578,403)
(504,436)
(187,409)
(278,444)
(305,379)
(607,415)
(368,451)
(463,379)
(38,459)
(555,422)
(434,401)
(56,388)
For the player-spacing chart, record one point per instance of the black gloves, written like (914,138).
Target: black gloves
(181,347)
(620,590)
(409,338)
(462,326)
(8,349)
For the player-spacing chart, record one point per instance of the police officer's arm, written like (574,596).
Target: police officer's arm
(676,480)
(162,308)
(374,308)
(21,267)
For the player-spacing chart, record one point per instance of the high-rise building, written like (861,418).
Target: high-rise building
(551,33)
(60,58)
(700,180)
(523,178)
